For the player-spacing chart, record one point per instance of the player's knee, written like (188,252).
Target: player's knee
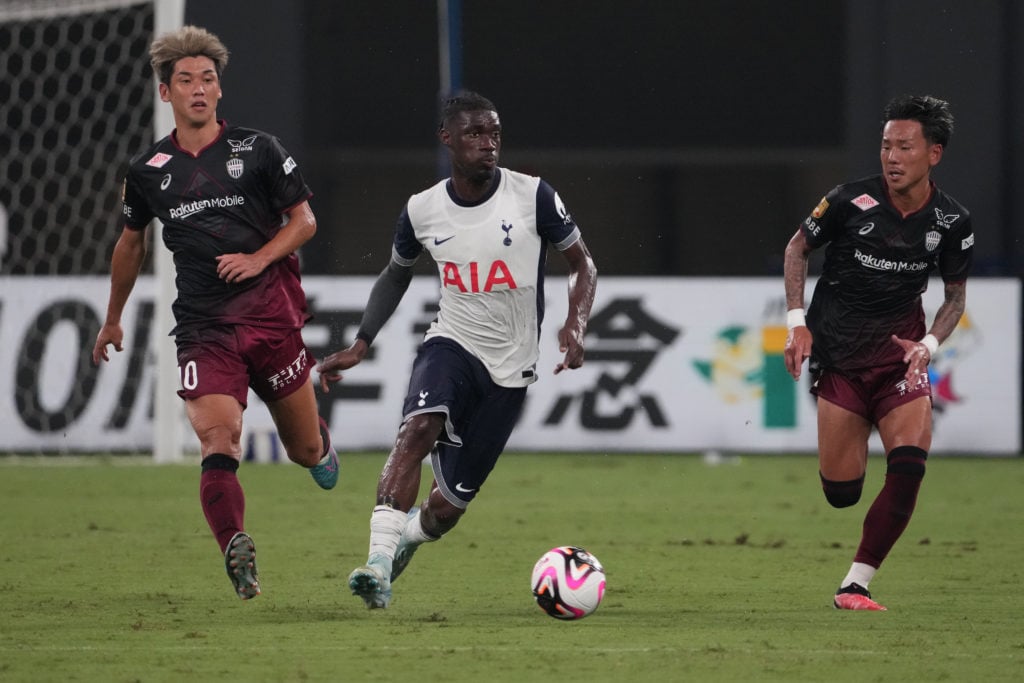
(219,438)
(842,494)
(306,454)
(304,448)
(419,433)
(908,460)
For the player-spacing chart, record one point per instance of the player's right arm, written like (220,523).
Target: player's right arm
(385,296)
(799,339)
(125,264)
(582,287)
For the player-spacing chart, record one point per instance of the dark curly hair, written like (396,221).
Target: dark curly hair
(466,100)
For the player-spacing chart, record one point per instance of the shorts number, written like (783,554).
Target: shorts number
(189,375)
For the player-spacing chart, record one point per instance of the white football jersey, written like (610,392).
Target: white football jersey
(490,257)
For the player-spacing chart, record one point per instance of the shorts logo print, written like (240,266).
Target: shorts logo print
(906,387)
(290,373)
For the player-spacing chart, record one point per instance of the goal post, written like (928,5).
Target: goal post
(168,411)
(77,101)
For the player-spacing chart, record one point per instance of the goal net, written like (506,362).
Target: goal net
(77,100)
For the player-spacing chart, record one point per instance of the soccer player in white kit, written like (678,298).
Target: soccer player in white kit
(489,230)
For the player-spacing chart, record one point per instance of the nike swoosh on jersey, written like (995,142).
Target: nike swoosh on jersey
(437,241)
(462,489)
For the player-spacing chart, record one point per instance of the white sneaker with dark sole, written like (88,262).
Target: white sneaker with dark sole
(371,582)
(405,550)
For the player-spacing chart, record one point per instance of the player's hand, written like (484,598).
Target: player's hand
(330,368)
(108,334)
(916,356)
(798,349)
(570,342)
(238,267)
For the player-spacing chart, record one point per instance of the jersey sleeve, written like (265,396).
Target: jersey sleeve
(406,249)
(286,186)
(825,221)
(554,222)
(958,252)
(134,206)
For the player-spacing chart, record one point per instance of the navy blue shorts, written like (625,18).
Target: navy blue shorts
(479,415)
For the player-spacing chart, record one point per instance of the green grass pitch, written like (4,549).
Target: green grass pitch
(715,573)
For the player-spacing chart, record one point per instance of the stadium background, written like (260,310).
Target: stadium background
(652,118)
(655,120)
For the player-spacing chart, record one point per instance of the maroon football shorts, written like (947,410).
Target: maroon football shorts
(871,392)
(229,359)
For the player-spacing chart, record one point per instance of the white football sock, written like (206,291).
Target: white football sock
(386,525)
(859,573)
(414,532)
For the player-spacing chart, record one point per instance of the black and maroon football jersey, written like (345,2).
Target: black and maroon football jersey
(230,198)
(877,264)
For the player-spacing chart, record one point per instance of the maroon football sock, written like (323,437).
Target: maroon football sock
(890,513)
(222,497)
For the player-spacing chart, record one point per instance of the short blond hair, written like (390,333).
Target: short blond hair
(188,41)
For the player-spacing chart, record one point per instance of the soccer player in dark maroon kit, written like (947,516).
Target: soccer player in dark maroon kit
(865,331)
(235,208)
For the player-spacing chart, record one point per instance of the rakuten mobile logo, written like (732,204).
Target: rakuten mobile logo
(191,208)
(875,263)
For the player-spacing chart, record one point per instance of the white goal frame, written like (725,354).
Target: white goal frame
(169,412)
(170,426)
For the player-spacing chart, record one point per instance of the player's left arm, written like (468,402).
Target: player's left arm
(955,263)
(949,313)
(301,226)
(582,287)
(917,354)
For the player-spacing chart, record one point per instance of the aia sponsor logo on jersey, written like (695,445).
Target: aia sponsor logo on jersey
(864,202)
(158,160)
(242,145)
(820,209)
(468,280)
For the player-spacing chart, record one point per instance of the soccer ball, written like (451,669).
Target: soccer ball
(568,582)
